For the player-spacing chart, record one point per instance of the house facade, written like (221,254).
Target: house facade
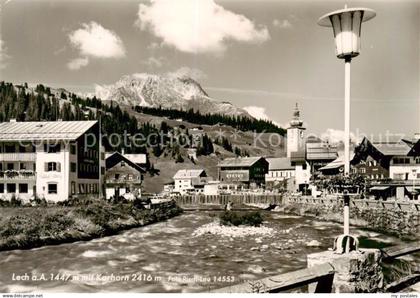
(279,170)
(123,176)
(244,171)
(50,160)
(190,180)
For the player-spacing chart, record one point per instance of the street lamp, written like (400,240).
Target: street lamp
(346,24)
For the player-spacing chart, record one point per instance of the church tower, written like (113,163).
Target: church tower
(295,134)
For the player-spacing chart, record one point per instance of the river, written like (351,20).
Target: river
(166,257)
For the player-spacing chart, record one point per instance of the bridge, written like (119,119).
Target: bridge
(218,202)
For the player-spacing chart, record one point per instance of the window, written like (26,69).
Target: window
(11,187)
(73,187)
(123,164)
(52,167)
(10,166)
(10,149)
(52,188)
(399,176)
(73,167)
(363,170)
(22,149)
(23,188)
(102,170)
(52,148)
(72,149)
(2,188)
(22,166)
(117,176)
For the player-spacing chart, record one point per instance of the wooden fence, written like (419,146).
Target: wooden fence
(224,199)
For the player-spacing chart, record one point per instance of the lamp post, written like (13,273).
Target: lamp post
(346,24)
(414,182)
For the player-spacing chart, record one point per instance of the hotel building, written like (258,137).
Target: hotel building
(50,160)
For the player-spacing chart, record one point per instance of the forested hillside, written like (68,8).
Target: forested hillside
(45,104)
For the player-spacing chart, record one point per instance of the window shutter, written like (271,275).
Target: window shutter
(58,167)
(46,167)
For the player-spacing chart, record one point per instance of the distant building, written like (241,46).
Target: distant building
(192,153)
(196,137)
(169,187)
(283,168)
(279,169)
(382,160)
(212,188)
(50,160)
(190,180)
(336,167)
(123,176)
(244,171)
(319,154)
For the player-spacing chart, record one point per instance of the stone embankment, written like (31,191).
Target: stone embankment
(401,218)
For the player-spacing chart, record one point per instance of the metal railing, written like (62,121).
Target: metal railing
(123,180)
(17,175)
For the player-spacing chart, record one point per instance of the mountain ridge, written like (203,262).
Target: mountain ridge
(165,91)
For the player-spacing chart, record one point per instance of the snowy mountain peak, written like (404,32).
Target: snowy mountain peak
(166,91)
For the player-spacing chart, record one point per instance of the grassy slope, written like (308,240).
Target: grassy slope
(244,140)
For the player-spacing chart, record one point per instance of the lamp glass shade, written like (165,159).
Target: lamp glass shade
(347,33)
(347,24)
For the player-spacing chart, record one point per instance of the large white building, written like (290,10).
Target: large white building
(50,160)
(190,180)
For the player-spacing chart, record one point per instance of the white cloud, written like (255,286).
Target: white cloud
(197,26)
(93,40)
(154,62)
(188,72)
(78,63)
(335,136)
(259,113)
(283,24)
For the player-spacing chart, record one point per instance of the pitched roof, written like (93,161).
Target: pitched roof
(186,174)
(392,148)
(279,163)
(321,151)
(139,158)
(43,130)
(239,162)
(116,157)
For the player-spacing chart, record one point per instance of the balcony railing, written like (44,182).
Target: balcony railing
(17,175)
(26,156)
(123,180)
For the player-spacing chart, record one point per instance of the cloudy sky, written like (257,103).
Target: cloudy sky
(262,55)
